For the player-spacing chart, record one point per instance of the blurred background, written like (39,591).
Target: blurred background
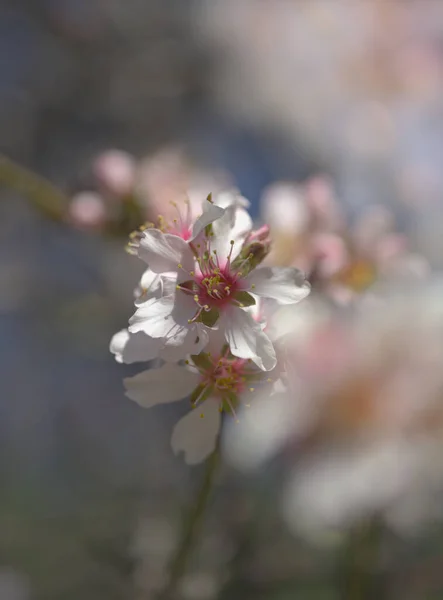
(120,104)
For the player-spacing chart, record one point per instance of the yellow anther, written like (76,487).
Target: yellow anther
(269,380)
(232,242)
(179,266)
(201,416)
(186,362)
(175,221)
(196,298)
(253,286)
(252,389)
(192,273)
(214,251)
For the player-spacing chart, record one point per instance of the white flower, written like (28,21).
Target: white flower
(211,281)
(214,382)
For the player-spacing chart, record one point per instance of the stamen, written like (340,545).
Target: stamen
(230,252)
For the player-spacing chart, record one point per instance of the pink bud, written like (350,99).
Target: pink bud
(260,235)
(87,210)
(115,171)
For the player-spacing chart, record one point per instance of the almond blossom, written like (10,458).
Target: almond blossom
(215,382)
(210,277)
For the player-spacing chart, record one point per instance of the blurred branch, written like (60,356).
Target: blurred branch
(191,526)
(360,577)
(39,191)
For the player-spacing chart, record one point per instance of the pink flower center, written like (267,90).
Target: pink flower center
(216,282)
(216,286)
(225,378)
(228,375)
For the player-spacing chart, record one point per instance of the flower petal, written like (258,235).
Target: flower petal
(234,225)
(231,197)
(162,317)
(246,338)
(153,317)
(196,433)
(211,212)
(185,341)
(287,285)
(134,347)
(150,286)
(162,251)
(167,384)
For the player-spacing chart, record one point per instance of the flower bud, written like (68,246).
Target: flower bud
(255,249)
(87,210)
(115,171)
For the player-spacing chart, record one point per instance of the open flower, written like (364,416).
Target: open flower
(214,382)
(211,280)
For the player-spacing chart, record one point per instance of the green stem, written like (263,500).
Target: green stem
(191,526)
(43,194)
(360,577)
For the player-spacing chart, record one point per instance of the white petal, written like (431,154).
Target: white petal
(150,280)
(153,317)
(167,384)
(196,435)
(134,347)
(162,251)
(150,286)
(161,317)
(211,212)
(185,341)
(242,226)
(231,197)
(246,338)
(234,225)
(287,285)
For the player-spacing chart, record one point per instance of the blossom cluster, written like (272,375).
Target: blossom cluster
(351,378)
(204,310)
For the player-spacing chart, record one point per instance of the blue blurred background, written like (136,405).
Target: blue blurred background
(266,90)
